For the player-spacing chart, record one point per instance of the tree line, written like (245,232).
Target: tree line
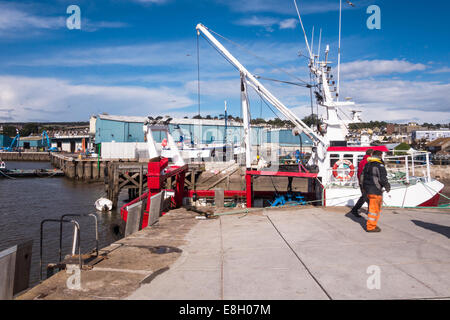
(32,128)
(276,122)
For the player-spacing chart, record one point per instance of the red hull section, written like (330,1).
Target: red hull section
(433,202)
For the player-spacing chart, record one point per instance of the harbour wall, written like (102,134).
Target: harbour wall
(25,156)
(439,172)
(83,169)
(93,170)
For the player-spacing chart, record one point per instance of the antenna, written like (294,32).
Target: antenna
(312,41)
(320,39)
(339,50)
(304,33)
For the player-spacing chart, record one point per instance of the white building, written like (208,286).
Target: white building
(70,143)
(431,135)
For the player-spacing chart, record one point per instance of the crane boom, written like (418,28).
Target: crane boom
(255,84)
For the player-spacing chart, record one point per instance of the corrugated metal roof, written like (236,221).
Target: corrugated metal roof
(31,138)
(205,122)
(438,142)
(122,118)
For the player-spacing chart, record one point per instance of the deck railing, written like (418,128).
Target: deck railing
(408,168)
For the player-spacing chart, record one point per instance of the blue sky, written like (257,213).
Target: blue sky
(138,57)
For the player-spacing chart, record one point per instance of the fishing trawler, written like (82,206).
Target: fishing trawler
(333,161)
(330,170)
(409,174)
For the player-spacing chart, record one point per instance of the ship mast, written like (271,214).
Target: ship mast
(336,128)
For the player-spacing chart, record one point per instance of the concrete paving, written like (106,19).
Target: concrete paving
(310,253)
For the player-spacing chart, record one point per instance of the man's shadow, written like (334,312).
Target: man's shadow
(362,221)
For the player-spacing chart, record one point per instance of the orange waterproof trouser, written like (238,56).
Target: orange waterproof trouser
(375,202)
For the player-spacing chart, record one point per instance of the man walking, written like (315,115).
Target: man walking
(373,179)
(363,197)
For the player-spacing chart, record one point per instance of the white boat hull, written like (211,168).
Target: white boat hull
(400,195)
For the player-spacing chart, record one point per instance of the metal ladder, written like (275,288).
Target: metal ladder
(76,242)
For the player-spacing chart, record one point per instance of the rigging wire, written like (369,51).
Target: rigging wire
(307,85)
(264,100)
(282,81)
(258,57)
(224,56)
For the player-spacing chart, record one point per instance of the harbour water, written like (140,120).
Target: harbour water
(25,202)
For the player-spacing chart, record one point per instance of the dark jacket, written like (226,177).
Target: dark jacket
(374,177)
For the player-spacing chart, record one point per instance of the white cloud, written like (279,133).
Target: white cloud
(91,26)
(15,19)
(441,70)
(169,53)
(216,88)
(46,99)
(12,18)
(255,21)
(282,6)
(371,68)
(268,22)
(178,55)
(399,100)
(389,100)
(288,24)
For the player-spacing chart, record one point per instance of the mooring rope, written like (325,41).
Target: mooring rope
(248,210)
(1,171)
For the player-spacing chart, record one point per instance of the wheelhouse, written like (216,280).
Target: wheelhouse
(343,164)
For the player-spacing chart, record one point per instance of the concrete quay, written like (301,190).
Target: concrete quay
(290,253)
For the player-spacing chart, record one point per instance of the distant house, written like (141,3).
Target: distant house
(430,135)
(31,143)
(440,145)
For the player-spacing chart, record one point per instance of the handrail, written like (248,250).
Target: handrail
(76,225)
(78,215)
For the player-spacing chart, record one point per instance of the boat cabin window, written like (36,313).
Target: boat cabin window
(348,157)
(334,157)
(360,157)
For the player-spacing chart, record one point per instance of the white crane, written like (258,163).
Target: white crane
(248,79)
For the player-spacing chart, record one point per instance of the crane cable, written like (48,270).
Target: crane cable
(258,57)
(231,63)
